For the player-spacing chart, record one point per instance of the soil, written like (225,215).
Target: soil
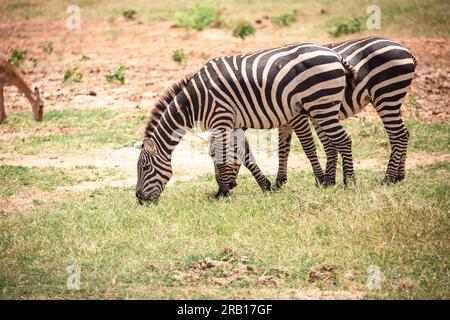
(146,51)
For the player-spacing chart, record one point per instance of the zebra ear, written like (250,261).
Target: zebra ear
(149,145)
(138,145)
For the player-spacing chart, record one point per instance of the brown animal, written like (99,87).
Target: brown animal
(10,76)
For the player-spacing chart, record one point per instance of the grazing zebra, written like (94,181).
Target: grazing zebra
(384,70)
(261,90)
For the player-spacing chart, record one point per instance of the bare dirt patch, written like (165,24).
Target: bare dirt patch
(221,272)
(146,51)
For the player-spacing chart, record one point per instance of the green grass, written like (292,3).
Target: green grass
(82,130)
(403,17)
(125,250)
(14,179)
(103,128)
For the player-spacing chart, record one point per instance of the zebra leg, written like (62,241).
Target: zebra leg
(222,160)
(398,138)
(402,164)
(284,147)
(305,137)
(246,157)
(340,141)
(331,153)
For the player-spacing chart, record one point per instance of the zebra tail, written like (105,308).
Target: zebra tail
(350,71)
(414,59)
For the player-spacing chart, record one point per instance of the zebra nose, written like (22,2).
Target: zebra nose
(140,196)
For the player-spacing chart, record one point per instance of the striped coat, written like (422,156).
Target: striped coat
(384,70)
(264,90)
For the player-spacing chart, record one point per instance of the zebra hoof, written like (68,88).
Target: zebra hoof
(349,181)
(232,185)
(279,183)
(389,180)
(266,186)
(328,183)
(221,194)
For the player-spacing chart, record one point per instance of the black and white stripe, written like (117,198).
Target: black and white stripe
(384,70)
(261,90)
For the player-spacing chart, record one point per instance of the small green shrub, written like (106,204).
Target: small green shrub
(197,17)
(48,48)
(117,76)
(346,27)
(73,75)
(284,19)
(179,56)
(243,30)
(17,57)
(129,14)
(84,57)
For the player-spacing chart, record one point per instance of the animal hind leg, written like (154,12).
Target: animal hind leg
(340,141)
(331,153)
(245,156)
(306,139)
(398,139)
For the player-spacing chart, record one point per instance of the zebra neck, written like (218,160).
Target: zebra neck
(173,125)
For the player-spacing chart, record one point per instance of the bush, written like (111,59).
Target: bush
(73,75)
(197,17)
(284,19)
(179,56)
(129,14)
(17,57)
(243,30)
(117,76)
(346,27)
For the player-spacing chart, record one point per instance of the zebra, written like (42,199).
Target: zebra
(384,70)
(262,90)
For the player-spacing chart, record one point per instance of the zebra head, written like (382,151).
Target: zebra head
(153,171)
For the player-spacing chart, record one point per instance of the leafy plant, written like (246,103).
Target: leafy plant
(48,49)
(117,76)
(17,57)
(84,58)
(73,75)
(197,17)
(129,14)
(243,30)
(179,56)
(346,27)
(284,19)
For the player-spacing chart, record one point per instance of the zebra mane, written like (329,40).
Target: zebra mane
(163,103)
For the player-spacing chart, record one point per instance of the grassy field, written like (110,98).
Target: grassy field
(67,194)
(198,250)
(417,17)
